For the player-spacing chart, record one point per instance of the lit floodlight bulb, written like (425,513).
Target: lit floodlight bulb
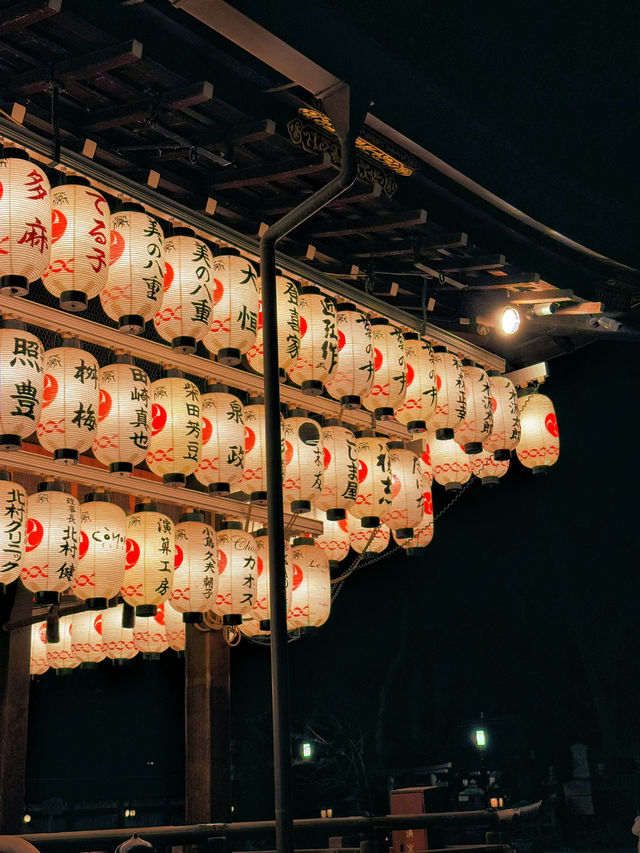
(509,320)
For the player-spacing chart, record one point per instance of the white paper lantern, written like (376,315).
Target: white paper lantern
(423,533)
(13,528)
(117,639)
(150,633)
(185,314)
(451,465)
(21,382)
(150,559)
(38,663)
(539,445)
(135,285)
(311,586)
(389,380)
(340,477)
(477,424)
(251,628)
(426,465)
(175,446)
(60,655)
(353,377)
(303,456)
(452,400)
(52,542)
(237,573)
(223,437)
(406,490)
(373,500)
(288,319)
(488,469)
(254,476)
(262,605)
(318,355)
(102,551)
(195,579)
(79,263)
(421,398)
(86,637)
(367,541)
(233,324)
(124,421)
(506,417)
(174,626)
(69,416)
(334,539)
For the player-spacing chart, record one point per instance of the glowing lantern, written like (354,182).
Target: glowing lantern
(318,355)
(185,314)
(86,637)
(488,469)
(13,528)
(150,559)
(334,539)
(174,626)
(69,414)
(79,263)
(539,445)
(340,478)
(374,479)
(452,399)
(52,542)
(38,663)
(506,417)
(426,467)
(303,457)
(353,377)
(423,533)
(261,606)
(150,633)
(311,586)
(367,541)
(195,580)
(21,382)
(421,398)
(451,465)
(102,550)
(223,434)
(406,490)
(134,289)
(389,381)
(251,628)
(60,655)
(25,222)
(237,573)
(288,329)
(254,476)
(117,639)
(176,426)
(477,424)
(122,435)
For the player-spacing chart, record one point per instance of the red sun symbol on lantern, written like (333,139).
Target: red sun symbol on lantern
(218,290)
(249,439)
(97,624)
(43,632)
(259,316)
(260,566)
(288,452)
(133,554)
(362,470)
(426,456)
(178,558)
(84,544)
(396,486)
(222,562)
(327,457)
(410,375)
(104,404)
(438,382)
(35,532)
(58,224)
(1,190)
(494,405)
(341,340)
(50,391)
(303,327)
(116,247)
(159,617)
(298,576)
(168,277)
(428,503)
(343,524)
(158,418)
(551,424)
(207,430)
(377,359)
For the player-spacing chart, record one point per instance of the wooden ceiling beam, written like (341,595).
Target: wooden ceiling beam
(23,14)
(279,171)
(288,202)
(428,247)
(481,262)
(392,222)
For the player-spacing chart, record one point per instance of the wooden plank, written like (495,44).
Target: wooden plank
(481,262)
(245,134)
(21,15)
(288,202)
(279,171)
(394,221)
(428,247)
(175,99)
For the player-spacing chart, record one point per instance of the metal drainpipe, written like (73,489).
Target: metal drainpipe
(339,105)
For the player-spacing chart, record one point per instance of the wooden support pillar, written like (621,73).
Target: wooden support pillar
(15,649)
(208,727)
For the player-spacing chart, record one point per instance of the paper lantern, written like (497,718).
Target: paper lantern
(262,604)
(367,541)
(233,324)
(303,456)
(423,532)
(38,663)
(318,355)
(52,542)
(175,446)
(426,466)
(254,476)
(174,626)
(134,290)
(150,633)
(69,416)
(102,551)
(150,559)
(451,465)
(311,586)
(539,445)
(117,639)
(60,654)
(237,573)
(189,288)
(353,377)
(13,528)
(389,380)
(406,490)
(488,469)
(373,500)
(452,400)
(86,637)
(340,477)
(124,420)
(21,382)
(477,424)
(195,579)
(421,397)
(506,417)
(25,222)
(223,433)
(334,539)
(251,628)
(288,319)
(79,263)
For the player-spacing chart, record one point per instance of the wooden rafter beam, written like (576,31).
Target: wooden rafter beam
(280,171)
(176,99)
(20,15)
(457,240)
(245,134)
(481,262)
(518,279)
(392,222)
(357,196)
(428,247)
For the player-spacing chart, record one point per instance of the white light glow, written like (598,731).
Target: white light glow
(509,320)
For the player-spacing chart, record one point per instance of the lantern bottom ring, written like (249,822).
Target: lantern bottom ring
(146,610)
(175,480)
(299,507)
(471,448)
(88,664)
(336,514)
(444,434)
(184,344)
(312,387)
(404,533)
(192,617)
(258,498)
(232,619)
(489,481)
(229,356)
(384,413)
(417,426)
(96,603)
(264,624)
(9,442)
(131,324)
(502,455)
(73,300)
(414,552)
(14,285)
(66,455)
(151,656)
(45,597)
(370,521)
(452,487)
(219,488)
(121,468)
(540,469)
(350,401)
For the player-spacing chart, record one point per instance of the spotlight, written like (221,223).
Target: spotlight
(509,320)
(543,309)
